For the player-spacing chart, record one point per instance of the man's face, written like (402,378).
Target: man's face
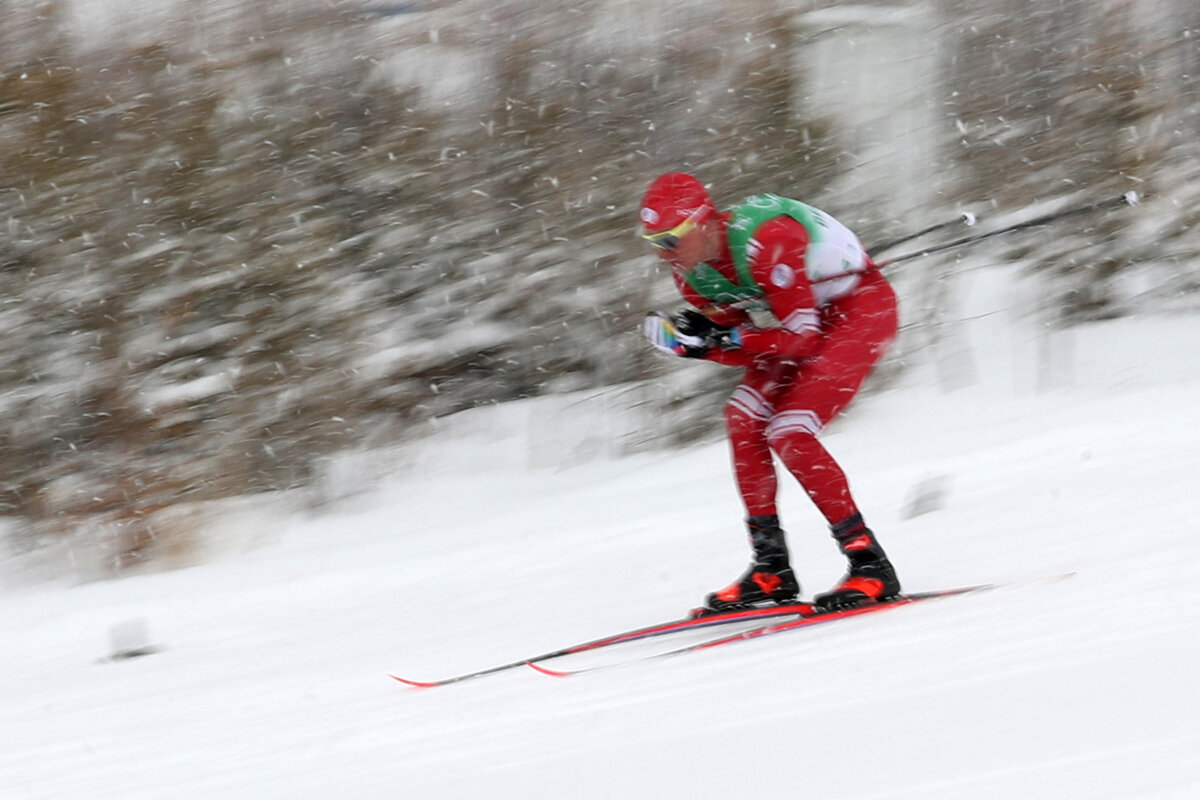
(691,249)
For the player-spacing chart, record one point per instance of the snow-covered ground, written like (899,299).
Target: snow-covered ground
(272,675)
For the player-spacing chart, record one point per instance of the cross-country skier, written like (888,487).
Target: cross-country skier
(786,292)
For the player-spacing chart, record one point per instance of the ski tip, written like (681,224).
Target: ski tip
(553,673)
(415,684)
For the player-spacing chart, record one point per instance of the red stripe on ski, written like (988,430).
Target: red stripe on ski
(553,673)
(416,684)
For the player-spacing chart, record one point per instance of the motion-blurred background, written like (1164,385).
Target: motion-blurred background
(239,240)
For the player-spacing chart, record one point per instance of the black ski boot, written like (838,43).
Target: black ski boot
(768,580)
(871,577)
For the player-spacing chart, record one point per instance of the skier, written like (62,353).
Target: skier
(786,292)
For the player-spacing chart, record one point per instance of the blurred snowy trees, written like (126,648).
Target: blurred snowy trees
(1083,101)
(237,241)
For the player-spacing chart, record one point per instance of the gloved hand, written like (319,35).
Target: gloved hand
(688,333)
(693,323)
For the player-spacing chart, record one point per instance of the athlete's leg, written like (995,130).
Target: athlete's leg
(861,327)
(769,578)
(746,416)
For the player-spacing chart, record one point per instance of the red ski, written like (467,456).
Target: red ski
(804,615)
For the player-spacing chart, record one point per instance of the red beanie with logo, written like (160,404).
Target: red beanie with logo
(673,198)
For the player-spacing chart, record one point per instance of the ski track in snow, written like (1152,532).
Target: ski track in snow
(272,675)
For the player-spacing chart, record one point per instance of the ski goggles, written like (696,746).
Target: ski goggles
(669,239)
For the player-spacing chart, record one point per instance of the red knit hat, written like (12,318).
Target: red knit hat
(673,198)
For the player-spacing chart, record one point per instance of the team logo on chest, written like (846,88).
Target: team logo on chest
(783,276)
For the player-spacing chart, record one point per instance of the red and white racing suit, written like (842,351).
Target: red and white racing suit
(804,371)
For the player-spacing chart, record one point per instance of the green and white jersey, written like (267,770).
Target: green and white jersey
(833,261)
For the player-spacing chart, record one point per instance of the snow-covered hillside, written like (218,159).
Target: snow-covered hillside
(271,675)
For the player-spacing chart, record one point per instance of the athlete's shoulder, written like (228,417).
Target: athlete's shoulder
(781,238)
(775,254)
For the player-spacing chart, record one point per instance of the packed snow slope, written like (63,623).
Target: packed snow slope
(271,676)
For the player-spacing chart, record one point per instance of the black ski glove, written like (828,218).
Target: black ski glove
(691,322)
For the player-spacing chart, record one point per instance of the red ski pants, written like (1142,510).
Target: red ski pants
(782,405)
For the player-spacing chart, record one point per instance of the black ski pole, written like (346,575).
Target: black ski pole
(965,218)
(1127,199)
